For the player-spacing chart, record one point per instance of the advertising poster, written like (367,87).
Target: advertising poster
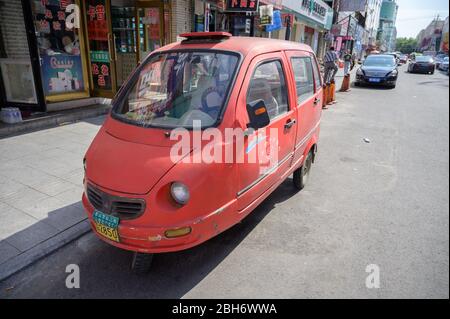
(99,44)
(62,74)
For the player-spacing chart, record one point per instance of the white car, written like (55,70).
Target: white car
(443,66)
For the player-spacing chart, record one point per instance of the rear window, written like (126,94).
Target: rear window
(380,60)
(424,59)
(175,89)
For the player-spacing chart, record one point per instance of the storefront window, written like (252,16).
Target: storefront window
(59,48)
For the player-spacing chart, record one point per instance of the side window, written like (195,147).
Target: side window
(304,80)
(317,76)
(268,83)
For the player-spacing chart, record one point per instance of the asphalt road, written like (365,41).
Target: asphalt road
(385,203)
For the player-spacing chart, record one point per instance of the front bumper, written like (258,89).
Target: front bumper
(422,69)
(151,239)
(387,80)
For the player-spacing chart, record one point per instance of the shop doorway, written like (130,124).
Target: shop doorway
(153,29)
(121,33)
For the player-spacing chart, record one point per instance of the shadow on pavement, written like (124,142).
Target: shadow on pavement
(105,270)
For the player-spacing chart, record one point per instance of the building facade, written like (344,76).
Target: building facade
(444,40)
(373,12)
(349,29)
(433,38)
(387,35)
(311,23)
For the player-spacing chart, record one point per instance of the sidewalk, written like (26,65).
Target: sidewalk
(52,119)
(41,175)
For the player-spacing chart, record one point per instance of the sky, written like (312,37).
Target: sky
(415,15)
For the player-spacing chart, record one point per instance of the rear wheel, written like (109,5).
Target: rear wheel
(301,175)
(141,263)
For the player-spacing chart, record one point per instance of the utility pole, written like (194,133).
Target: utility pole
(336,6)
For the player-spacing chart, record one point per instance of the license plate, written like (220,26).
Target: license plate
(107,225)
(375,80)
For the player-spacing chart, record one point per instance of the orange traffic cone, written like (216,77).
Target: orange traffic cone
(332,93)
(345,87)
(325,96)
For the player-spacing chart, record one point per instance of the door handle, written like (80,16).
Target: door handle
(290,123)
(316,101)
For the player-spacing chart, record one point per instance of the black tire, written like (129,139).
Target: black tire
(357,84)
(141,263)
(301,175)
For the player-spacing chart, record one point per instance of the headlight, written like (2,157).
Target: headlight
(84,165)
(360,72)
(180,193)
(393,73)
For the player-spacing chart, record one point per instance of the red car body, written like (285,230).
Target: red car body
(130,165)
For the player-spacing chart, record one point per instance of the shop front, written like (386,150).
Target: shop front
(312,22)
(119,35)
(79,49)
(240,18)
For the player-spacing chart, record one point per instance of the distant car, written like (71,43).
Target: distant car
(380,69)
(422,64)
(395,55)
(439,59)
(443,66)
(403,59)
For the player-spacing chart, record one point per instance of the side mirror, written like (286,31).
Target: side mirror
(257,113)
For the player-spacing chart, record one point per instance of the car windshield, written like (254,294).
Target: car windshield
(380,60)
(175,89)
(424,59)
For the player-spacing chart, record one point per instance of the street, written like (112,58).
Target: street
(378,195)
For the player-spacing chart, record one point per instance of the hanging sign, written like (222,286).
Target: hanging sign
(242,5)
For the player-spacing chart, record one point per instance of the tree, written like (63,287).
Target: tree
(406,45)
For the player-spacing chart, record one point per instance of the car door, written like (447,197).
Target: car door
(308,93)
(266,79)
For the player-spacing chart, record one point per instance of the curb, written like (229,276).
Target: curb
(19,262)
(52,120)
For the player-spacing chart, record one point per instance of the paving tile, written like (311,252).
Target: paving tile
(13,220)
(75,177)
(8,186)
(24,174)
(40,209)
(24,198)
(71,196)
(53,186)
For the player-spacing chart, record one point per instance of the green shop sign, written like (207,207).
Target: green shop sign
(100,56)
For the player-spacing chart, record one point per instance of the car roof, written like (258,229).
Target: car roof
(247,46)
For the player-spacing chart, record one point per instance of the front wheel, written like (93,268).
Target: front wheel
(141,263)
(301,175)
